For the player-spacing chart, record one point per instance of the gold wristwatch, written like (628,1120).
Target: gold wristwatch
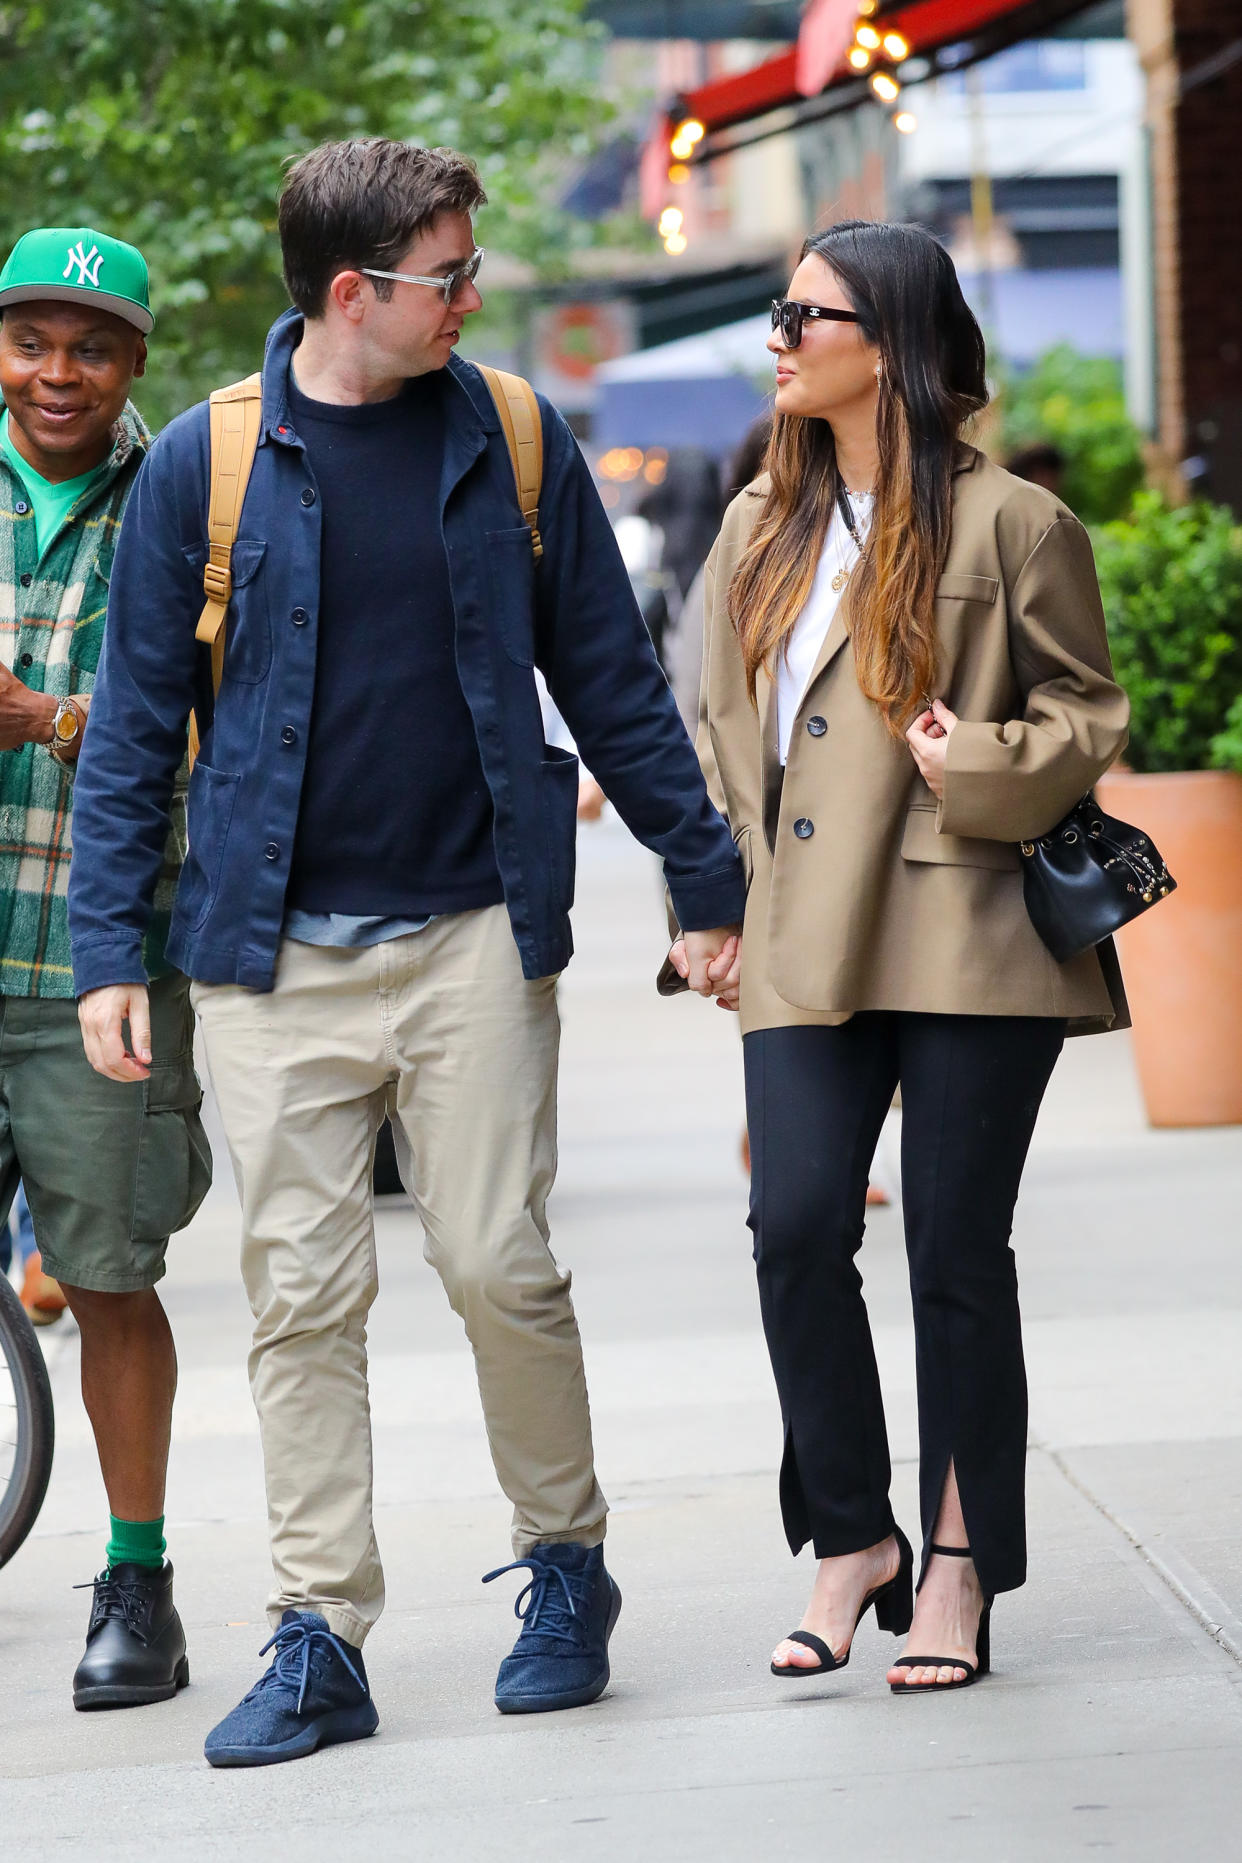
(66,729)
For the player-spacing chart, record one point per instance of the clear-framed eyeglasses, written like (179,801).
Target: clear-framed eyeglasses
(450,285)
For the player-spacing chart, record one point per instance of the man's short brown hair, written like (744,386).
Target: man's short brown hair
(350,204)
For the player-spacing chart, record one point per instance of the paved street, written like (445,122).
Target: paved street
(1113,1721)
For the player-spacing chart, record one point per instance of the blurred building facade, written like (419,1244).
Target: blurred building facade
(1191,56)
(1100,135)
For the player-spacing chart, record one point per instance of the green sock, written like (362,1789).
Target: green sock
(135,1542)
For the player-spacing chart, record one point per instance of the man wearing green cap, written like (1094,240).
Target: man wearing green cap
(110,1169)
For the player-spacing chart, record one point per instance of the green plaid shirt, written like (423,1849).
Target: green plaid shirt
(52,610)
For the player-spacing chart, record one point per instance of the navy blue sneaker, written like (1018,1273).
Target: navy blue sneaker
(568,1611)
(314,1695)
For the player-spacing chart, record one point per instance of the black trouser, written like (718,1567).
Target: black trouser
(816,1100)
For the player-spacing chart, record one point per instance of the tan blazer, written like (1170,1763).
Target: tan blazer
(893,901)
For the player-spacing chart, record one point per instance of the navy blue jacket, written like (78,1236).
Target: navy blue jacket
(572,615)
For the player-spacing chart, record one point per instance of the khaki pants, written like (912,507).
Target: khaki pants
(441,1031)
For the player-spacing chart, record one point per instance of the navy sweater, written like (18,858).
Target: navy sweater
(395,815)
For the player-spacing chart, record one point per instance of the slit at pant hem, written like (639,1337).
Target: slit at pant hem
(816,1100)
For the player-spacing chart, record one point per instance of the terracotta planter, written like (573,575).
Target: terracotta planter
(1182,962)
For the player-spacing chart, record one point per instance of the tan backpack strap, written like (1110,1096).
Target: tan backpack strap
(523,429)
(236,418)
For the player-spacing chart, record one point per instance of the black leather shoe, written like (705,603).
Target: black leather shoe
(135,1646)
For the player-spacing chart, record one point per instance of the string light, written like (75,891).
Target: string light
(868,43)
(893,47)
(621,462)
(686,138)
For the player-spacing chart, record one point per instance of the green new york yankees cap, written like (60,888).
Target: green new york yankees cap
(77,265)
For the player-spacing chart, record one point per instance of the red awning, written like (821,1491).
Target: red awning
(926,25)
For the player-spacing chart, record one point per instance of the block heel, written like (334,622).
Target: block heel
(894,1604)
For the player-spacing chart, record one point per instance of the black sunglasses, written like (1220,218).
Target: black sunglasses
(788,315)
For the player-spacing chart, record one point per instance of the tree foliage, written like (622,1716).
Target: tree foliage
(1171,578)
(1077,402)
(168,122)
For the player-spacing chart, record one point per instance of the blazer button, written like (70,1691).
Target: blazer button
(299,617)
(804,828)
(817,726)
(288,735)
(271,851)
(308,496)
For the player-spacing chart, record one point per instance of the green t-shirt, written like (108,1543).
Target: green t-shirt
(50,503)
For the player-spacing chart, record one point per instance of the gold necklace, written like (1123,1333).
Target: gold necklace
(846,570)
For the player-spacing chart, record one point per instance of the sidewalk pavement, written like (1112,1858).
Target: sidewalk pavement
(1112,1722)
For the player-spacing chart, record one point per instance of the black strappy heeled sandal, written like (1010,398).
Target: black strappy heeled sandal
(894,1612)
(983,1648)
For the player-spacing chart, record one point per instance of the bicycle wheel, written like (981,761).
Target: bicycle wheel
(27,1429)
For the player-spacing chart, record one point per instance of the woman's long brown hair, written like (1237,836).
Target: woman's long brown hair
(903,286)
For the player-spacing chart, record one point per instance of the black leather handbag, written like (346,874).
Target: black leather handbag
(1088,875)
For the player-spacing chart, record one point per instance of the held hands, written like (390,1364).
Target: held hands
(101,1014)
(928,738)
(711,963)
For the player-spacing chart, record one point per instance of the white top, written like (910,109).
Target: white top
(797,663)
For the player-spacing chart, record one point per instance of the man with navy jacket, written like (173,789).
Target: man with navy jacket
(375,905)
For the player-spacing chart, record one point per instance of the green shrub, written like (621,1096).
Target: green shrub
(1227,746)
(1078,403)
(1171,578)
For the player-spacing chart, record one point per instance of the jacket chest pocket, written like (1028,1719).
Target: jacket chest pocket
(920,842)
(511,578)
(957,588)
(248,626)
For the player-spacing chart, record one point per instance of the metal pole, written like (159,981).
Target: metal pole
(982,215)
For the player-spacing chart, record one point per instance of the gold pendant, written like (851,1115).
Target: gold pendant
(840,579)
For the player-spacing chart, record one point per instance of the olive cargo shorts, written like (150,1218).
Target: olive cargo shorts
(111,1168)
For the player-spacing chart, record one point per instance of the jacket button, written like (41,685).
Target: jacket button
(27,579)
(817,726)
(804,828)
(271,851)
(299,617)
(308,496)
(288,735)
(21,507)
(28,659)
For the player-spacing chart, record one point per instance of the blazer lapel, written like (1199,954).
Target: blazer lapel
(769,723)
(834,640)
(771,773)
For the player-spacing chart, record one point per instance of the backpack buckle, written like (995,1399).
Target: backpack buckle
(217,582)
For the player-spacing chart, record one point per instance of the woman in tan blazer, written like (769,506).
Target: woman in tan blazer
(905,675)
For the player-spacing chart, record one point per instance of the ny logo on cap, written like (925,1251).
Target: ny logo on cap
(88,264)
